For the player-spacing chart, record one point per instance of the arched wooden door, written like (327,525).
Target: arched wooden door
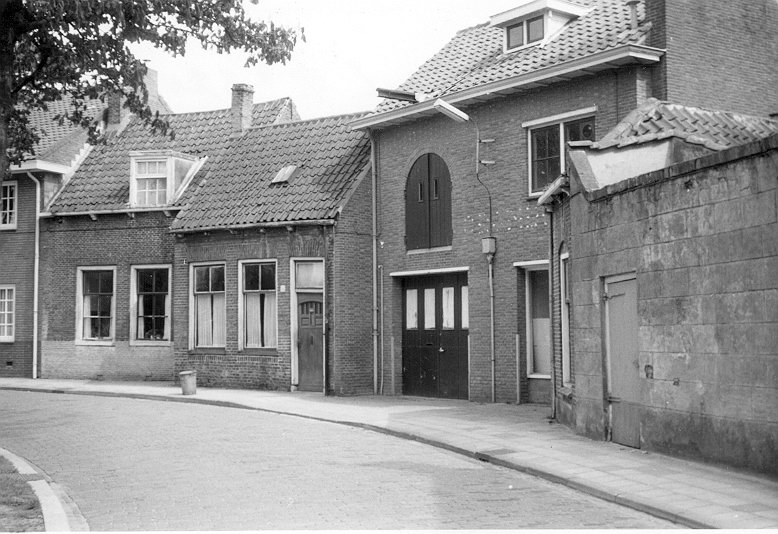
(310,342)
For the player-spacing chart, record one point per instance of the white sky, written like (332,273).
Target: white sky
(352,47)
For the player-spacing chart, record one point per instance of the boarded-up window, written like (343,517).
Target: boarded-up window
(428,204)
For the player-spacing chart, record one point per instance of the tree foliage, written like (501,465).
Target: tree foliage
(77,50)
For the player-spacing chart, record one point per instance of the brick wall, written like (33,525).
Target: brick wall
(351,321)
(16,268)
(112,240)
(720,54)
(520,226)
(703,241)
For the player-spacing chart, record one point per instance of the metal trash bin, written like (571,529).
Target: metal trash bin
(188,382)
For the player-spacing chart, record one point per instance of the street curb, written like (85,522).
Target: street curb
(484,457)
(60,512)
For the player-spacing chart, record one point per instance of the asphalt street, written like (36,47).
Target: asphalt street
(133,464)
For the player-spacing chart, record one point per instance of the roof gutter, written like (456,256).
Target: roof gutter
(623,55)
(273,224)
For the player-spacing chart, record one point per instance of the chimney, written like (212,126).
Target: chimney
(115,111)
(242,104)
(633,11)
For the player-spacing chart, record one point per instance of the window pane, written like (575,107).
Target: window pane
(448,307)
(201,279)
(581,130)
(539,293)
(534,29)
(106,282)
(217,278)
(268,276)
(91,282)
(429,309)
(515,35)
(465,308)
(411,309)
(251,277)
(145,281)
(310,275)
(160,281)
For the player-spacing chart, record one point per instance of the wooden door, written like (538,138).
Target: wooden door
(435,331)
(622,358)
(310,346)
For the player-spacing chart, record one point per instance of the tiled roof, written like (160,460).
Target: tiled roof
(237,192)
(475,56)
(102,181)
(715,130)
(53,145)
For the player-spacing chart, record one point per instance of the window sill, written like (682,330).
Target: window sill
(150,343)
(208,350)
(90,343)
(252,351)
(447,248)
(7,228)
(539,376)
(7,340)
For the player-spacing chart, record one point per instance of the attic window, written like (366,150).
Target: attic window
(156,176)
(284,174)
(536,21)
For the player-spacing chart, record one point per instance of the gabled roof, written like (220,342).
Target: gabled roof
(716,130)
(102,181)
(237,191)
(473,66)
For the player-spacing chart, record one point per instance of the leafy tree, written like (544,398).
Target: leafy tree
(77,49)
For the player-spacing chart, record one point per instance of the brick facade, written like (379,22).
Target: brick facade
(16,269)
(701,238)
(720,54)
(119,241)
(520,226)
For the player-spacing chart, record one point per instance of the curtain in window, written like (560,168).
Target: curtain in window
(260,319)
(211,320)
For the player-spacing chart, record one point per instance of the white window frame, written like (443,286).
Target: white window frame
(535,265)
(192,306)
(564,312)
(134,306)
(10,338)
(560,120)
(525,33)
(241,304)
(10,185)
(79,338)
(135,177)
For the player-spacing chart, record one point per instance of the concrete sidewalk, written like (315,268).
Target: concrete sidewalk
(517,437)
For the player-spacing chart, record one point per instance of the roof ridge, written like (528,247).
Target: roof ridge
(267,103)
(356,115)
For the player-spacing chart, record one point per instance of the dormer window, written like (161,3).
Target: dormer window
(528,31)
(535,22)
(157,177)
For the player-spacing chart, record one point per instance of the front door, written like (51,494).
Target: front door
(624,372)
(435,332)
(310,323)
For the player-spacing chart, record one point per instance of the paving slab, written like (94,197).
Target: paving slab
(519,437)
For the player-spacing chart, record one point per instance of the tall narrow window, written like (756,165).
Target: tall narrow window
(564,297)
(539,333)
(97,310)
(428,216)
(209,306)
(8,203)
(259,305)
(7,313)
(429,308)
(151,290)
(411,309)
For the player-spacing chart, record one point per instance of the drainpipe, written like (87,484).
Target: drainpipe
(550,212)
(375,266)
(36,275)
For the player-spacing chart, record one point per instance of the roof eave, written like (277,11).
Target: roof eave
(270,224)
(591,64)
(32,165)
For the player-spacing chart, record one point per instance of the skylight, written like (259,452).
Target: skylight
(284,174)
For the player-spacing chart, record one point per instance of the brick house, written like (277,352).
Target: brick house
(106,249)
(467,144)
(271,260)
(664,290)
(23,196)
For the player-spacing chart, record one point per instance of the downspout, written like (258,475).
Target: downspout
(375,266)
(36,275)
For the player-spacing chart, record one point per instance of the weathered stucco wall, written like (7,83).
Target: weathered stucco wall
(702,238)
